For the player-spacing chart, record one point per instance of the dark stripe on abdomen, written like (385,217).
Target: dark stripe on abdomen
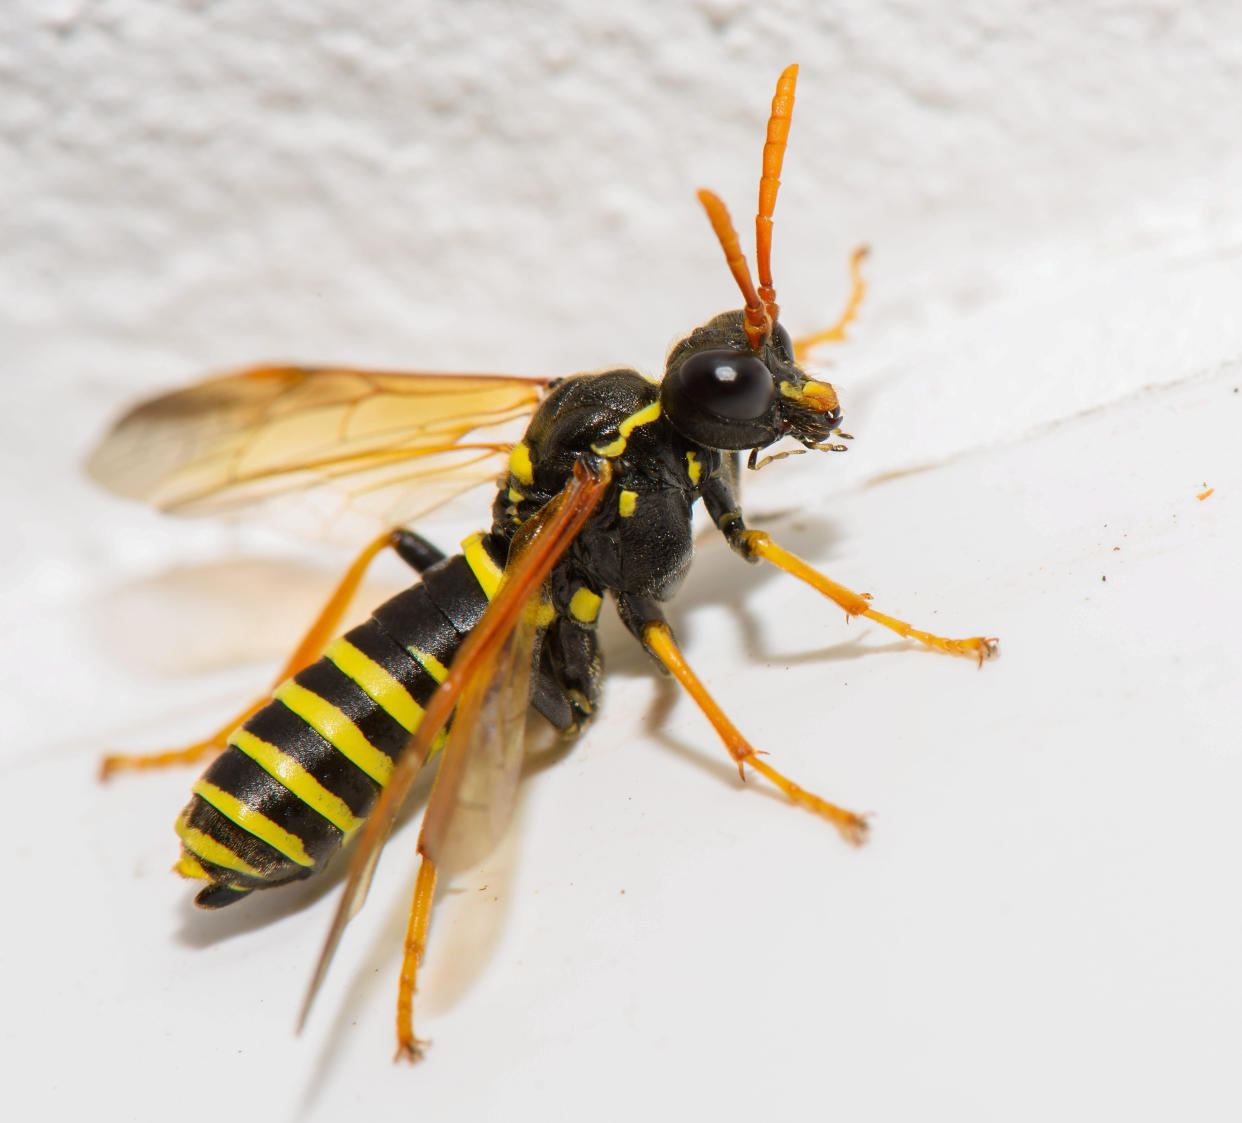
(430,619)
(335,687)
(278,725)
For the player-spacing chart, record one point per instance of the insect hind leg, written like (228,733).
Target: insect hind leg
(643,617)
(412,548)
(409,1047)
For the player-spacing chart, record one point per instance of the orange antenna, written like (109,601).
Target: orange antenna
(757,323)
(770,182)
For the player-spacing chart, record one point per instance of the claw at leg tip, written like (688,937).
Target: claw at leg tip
(412,1051)
(856,831)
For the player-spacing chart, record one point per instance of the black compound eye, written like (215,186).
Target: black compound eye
(728,384)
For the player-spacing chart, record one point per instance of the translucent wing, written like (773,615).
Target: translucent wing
(388,444)
(544,539)
(474,791)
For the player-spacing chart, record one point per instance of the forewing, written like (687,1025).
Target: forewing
(388,444)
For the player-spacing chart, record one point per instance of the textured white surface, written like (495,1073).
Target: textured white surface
(1044,921)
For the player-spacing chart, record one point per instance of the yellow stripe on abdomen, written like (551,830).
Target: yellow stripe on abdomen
(202,845)
(486,572)
(189,866)
(392,697)
(252,822)
(334,726)
(429,663)
(276,762)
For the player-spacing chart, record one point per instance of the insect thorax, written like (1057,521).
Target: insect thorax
(640,539)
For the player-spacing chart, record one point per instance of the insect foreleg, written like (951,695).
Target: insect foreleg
(720,499)
(412,548)
(755,544)
(643,616)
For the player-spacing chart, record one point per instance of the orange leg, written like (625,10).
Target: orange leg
(409,1047)
(836,333)
(312,645)
(659,640)
(759,544)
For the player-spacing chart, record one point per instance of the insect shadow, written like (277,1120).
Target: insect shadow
(717,576)
(716,583)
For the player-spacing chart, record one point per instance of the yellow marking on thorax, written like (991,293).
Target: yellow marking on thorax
(627,503)
(584,605)
(515,496)
(276,762)
(544,614)
(644,416)
(335,727)
(693,468)
(486,571)
(204,846)
(394,699)
(520,465)
(252,821)
(612,449)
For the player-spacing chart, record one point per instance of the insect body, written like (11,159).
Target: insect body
(596,501)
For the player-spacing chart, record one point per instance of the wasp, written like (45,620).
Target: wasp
(594,499)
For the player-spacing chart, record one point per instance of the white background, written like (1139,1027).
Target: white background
(1045,376)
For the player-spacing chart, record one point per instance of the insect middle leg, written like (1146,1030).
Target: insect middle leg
(412,548)
(644,618)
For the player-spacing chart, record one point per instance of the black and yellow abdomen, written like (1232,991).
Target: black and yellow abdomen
(300,776)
